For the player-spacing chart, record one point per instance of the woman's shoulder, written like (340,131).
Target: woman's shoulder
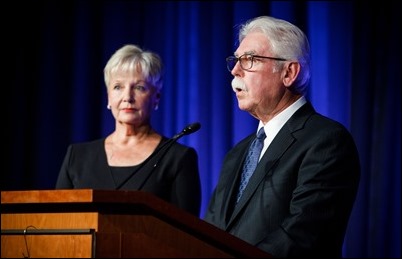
(173,143)
(88,144)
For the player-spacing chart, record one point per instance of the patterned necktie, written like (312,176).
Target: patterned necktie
(251,162)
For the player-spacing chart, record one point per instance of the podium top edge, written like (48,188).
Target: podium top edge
(62,196)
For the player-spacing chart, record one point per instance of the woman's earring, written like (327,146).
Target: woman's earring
(108,107)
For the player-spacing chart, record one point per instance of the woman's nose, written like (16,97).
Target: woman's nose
(128,96)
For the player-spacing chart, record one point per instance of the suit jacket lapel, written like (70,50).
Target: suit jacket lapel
(281,144)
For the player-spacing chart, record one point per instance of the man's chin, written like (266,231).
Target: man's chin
(243,106)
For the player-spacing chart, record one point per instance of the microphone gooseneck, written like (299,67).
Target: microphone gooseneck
(191,128)
(161,151)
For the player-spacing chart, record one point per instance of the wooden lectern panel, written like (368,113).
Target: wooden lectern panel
(42,220)
(46,246)
(107,223)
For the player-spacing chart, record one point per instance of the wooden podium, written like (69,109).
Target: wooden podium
(105,223)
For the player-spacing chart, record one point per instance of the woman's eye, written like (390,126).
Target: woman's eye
(140,88)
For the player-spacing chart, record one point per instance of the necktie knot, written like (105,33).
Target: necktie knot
(261,134)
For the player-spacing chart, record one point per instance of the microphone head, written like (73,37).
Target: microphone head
(191,128)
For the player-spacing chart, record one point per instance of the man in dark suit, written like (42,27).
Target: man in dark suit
(299,197)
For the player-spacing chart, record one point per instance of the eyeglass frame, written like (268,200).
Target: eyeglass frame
(238,59)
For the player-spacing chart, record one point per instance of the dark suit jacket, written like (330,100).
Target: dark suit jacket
(299,199)
(174,179)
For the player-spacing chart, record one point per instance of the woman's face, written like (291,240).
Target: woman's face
(131,98)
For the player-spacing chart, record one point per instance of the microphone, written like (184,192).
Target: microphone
(162,150)
(191,128)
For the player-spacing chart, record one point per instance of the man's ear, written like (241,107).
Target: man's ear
(291,70)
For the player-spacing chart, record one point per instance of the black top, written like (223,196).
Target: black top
(175,178)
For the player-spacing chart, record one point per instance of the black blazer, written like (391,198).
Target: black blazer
(300,197)
(174,179)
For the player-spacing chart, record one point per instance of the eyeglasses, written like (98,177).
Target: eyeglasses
(246,61)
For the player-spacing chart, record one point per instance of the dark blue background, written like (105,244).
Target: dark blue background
(58,49)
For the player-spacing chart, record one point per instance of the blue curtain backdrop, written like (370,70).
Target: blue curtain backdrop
(58,50)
